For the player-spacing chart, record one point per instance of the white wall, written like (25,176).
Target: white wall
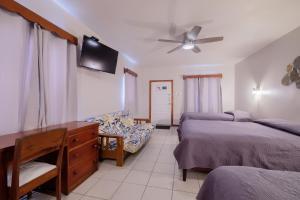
(98,92)
(267,67)
(175,74)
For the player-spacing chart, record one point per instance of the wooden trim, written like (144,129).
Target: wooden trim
(203,76)
(129,71)
(172,98)
(110,135)
(31,16)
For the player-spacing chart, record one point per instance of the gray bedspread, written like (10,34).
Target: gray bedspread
(249,183)
(210,144)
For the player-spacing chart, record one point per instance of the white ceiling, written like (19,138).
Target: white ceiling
(133,27)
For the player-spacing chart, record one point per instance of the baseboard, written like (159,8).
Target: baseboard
(162,126)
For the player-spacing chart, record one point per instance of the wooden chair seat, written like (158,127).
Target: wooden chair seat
(30,171)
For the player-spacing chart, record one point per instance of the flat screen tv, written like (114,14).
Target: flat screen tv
(97,56)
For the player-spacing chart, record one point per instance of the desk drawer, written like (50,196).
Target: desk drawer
(81,171)
(81,154)
(82,137)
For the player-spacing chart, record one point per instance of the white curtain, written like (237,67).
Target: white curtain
(58,79)
(203,95)
(130,93)
(37,76)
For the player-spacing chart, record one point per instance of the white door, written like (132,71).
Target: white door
(161,102)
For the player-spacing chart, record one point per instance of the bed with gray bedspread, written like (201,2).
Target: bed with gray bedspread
(249,183)
(269,144)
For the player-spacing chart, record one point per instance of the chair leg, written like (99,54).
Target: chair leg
(184,174)
(58,187)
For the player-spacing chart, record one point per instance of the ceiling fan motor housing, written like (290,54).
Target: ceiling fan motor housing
(188,44)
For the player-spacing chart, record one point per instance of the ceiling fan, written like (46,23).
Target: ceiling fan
(190,40)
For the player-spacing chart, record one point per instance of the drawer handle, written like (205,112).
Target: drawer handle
(95,146)
(75,140)
(75,173)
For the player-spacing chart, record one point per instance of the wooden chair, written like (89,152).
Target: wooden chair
(27,174)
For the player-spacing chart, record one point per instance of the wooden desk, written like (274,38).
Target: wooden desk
(82,139)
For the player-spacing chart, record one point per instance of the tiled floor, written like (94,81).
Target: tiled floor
(151,174)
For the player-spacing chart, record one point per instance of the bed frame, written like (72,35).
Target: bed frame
(118,153)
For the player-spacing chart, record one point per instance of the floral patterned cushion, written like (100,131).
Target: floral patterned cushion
(119,123)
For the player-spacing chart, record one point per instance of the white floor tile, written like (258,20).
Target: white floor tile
(168,148)
(86,185)
(128,191)
(162,158)
(164,168)
(104,189)
(148,158)
(152,193)
(151,152)
(116,174)
(99,173)
(177,195)
(161,180)
(138,177)
(144,166)
(90,198)
(130,161)
(190,185)
(72,196)
(108,165)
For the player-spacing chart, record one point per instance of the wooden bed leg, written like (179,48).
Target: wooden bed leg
(184,173)
(120,152)
(120,160)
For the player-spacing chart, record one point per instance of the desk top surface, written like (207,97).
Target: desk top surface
(8,140)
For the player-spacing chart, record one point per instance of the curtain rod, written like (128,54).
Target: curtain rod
(31,16)
(203,76)
(126,70)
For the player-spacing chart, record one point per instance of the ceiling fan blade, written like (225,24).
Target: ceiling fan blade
(196,49)
(193,34)
(175,49)
(207,40)
(170,41)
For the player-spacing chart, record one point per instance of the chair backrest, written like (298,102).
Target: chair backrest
(37,145)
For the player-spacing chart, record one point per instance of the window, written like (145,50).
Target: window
(203,93)
(130,91)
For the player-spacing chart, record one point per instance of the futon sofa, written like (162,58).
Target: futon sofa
(120,135)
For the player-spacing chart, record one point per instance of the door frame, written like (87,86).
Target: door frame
(172,97)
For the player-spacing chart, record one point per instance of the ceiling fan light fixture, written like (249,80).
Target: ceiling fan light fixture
(188,46)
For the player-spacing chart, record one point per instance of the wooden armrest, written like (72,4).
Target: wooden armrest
(139,120)
(109,135)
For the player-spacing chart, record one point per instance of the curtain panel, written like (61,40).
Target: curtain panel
(203,95)
(37,76)
(130,93)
